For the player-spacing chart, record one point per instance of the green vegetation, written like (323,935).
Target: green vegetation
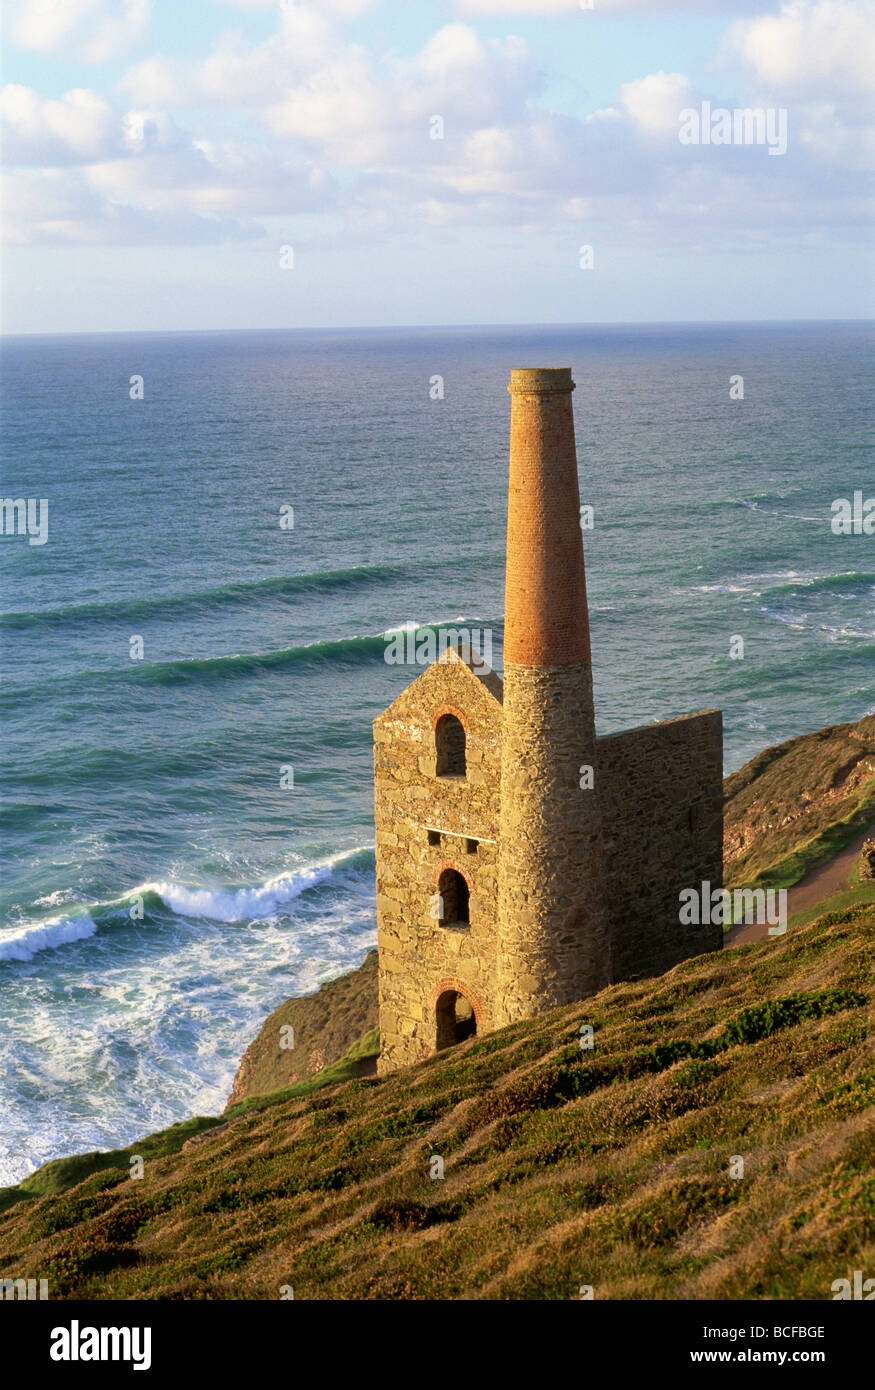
(562,1167)
(359,1060)
(822,848)
(63,1173)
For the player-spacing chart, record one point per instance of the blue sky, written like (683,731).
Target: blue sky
(158,157)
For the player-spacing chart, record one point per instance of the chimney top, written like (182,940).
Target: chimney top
(540,380)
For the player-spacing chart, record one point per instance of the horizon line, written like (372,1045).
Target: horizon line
(452,327)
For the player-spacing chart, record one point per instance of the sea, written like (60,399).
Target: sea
(237,525)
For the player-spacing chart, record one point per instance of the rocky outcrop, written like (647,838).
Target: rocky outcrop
(324,1025)
(789,795)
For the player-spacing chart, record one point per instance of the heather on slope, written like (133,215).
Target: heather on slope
(563,1167)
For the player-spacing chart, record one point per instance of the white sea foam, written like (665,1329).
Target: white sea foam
(835,634)
(260,900)
(241,904)
(745,583)
(24,942)
(150,1031)
(717,589)
(212,904)
(789,619)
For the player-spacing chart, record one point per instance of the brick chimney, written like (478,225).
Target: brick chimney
(553,940)
(545,615)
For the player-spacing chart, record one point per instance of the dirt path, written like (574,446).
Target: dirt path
(829,878)
(808,892)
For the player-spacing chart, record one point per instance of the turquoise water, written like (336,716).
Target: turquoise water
(155,784)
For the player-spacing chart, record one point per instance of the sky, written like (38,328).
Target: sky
(222,164)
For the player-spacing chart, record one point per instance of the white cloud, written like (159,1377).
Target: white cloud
(811,47)
(345,9)
(830,142)
(59,206)
(87,172)
(237,75)
(95,31)
(312,99)
(211,178)
(654,102)
(357,115)
(79,127)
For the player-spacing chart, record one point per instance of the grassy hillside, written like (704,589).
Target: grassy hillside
(795,805)
(563,1167)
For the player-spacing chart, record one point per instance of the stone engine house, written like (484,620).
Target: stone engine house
(523,862)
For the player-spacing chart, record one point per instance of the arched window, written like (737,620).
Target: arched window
(449,740)
(454,1018)
(453,892)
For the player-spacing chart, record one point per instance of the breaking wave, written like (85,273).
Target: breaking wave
(219,904)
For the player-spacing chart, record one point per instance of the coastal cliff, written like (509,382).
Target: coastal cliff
(797,804)
(553,1159)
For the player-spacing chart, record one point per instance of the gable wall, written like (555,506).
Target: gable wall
(417,954)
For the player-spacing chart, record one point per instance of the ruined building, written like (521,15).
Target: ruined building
(522,861)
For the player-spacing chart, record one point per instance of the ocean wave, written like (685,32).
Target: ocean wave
(747,584)
(441,624)
(718,589)
(23,943)
(242,592)
(791,582)
(262,900)
(789,619)
(771,495)
(792,664)
(222,904)
(223,595)
(836,634)
(754,504)
(342,651)
(846,579)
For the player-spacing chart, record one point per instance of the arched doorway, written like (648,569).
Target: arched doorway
(455,1019)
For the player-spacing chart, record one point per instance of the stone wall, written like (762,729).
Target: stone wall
(661,792)
(426,823)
